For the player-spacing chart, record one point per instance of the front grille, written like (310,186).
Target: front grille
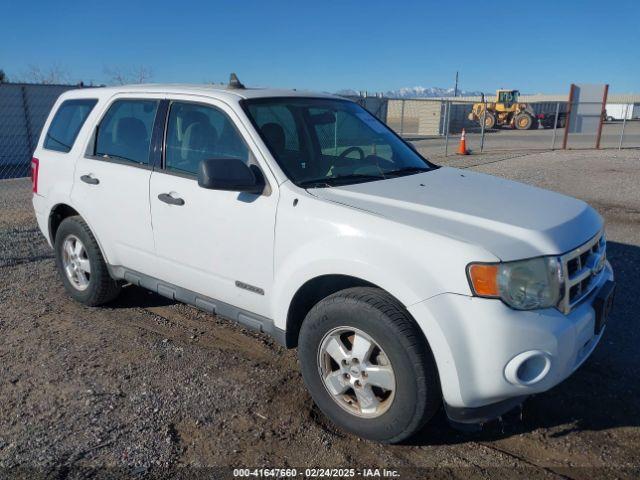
(582,268)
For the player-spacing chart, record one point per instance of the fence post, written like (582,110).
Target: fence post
(624,122)
(603,112)
(402,118)
(447,115)
(484,118)
(335,135)
(568,120)
(555,126)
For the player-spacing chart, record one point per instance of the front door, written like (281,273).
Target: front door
(216,243)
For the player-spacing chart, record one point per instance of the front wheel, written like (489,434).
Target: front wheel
(368,366)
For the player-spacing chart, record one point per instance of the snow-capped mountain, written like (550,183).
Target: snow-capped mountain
(415,92)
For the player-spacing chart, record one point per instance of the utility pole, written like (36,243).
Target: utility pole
(455,90)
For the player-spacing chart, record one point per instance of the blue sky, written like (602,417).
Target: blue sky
(538,46)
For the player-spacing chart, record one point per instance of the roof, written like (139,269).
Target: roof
(211,90)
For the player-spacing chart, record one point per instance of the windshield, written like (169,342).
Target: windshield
(325,142)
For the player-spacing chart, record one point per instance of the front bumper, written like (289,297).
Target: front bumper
(479,345)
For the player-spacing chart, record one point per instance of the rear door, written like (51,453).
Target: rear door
(216,243)
(111,184)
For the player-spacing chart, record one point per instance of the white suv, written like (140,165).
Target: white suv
(404,285)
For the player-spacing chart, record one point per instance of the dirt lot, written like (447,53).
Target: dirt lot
(146,384)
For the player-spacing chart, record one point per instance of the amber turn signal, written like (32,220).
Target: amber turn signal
(484,279)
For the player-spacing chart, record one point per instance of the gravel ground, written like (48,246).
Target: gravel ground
(148,386)
(514,142)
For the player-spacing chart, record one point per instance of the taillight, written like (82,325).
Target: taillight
(35,166)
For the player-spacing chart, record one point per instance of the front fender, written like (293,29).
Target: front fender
(316,237)
(343,255)
(396,273)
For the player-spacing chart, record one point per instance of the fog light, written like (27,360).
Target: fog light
(528,368)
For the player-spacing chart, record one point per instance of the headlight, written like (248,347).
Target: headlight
(523,285)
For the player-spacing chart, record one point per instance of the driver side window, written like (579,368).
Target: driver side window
(197,132)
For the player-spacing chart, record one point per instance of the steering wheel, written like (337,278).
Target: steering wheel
(344,154)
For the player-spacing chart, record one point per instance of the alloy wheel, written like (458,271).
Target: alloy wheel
(75,262)
(356,372)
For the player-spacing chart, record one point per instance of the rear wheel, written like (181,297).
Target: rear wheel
(523,121)
(367,365)
(83,271)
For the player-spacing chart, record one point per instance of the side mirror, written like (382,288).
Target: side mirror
(230,174)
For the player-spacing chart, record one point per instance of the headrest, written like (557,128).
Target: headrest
(274,136)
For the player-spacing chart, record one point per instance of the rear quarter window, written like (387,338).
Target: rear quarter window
(66,124)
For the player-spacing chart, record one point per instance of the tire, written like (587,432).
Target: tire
(77,252)
(523,121)
(489,121)
(400,345)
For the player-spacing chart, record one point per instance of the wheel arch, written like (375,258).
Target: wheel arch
(316,289)
(310,293)
(62,210)
(57,214)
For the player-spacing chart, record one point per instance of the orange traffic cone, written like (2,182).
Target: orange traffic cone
(462,148)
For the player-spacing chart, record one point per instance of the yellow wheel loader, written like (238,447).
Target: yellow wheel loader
(505,111)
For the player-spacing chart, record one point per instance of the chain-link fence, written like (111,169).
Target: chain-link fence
(436,125)
(23,111)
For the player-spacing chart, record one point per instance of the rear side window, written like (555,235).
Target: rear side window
(66,124)
(125,131)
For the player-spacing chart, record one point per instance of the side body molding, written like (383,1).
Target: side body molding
(248,319)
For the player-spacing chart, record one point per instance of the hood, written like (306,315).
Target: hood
(509,219)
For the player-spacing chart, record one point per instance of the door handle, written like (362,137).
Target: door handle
(89,179)
(166,198)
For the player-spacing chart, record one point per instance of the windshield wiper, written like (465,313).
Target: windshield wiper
(339,180)
(405,171)
(316,183)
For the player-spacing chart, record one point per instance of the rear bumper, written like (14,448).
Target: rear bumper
(40,208)
(481,345)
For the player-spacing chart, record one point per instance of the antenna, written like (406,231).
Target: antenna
(234,82)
